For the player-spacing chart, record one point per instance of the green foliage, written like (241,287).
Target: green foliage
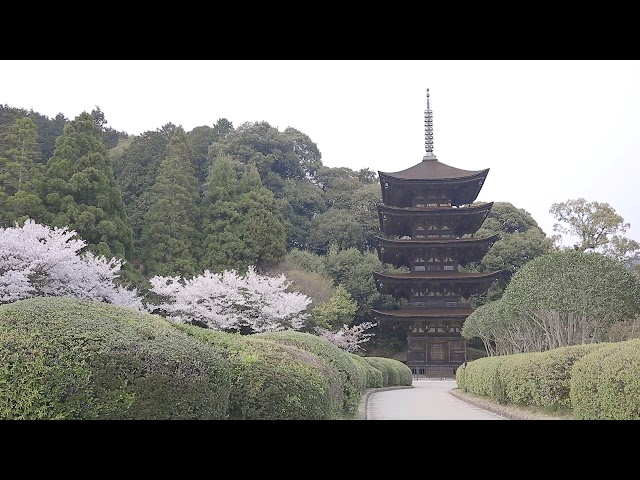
(301,202)
(336,227)
(597,227)
(136,163)
(482,377)
(354,270)
(394,373)
(286,162)
(521,240)
(371,373)
(240,221)
(350,376)
(307,261)
(542,379)
(20,174)
(272,381)
(333,314)
(573,296)
(605,385)
(387,375)
(80,191)
(71,359)
(170,234)
(200,139)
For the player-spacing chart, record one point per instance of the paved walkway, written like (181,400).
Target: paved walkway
(427,400)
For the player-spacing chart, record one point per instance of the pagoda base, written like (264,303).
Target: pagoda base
(436,351)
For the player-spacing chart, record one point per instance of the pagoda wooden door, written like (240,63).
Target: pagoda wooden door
(437,351)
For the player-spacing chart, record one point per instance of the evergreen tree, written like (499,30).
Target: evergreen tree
(20,175)
(136,164)
(80,192)
(219,211)
(262,227)
(169,234)
(241,221)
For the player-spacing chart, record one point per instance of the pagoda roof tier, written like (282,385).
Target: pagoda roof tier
(430,179)
(463,250)
(399,221)
(404,285)
(413,314)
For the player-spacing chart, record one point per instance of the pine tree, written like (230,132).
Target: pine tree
(169,235)
(80,191)
(20,175)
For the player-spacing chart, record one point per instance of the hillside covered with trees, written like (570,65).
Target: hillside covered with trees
(172,203)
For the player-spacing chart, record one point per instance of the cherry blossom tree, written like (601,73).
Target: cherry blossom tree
(37,260)
(348,338)
(227,301)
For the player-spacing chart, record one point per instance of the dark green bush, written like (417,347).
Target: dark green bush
(72,359)
(272,381)
(351,377)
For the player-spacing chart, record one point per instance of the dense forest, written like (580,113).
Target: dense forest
(221,197)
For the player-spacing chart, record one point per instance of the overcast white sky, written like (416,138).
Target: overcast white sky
(548,130)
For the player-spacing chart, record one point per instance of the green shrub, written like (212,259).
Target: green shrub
(350,375)
(73,359)
(373,375)
(272,381)
(605,384)
(382,367)
(542,379)
(481,377)
(399,374)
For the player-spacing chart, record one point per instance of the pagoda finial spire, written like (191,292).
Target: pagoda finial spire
(428,130)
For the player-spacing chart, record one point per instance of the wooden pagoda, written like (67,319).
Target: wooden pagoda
(428,221)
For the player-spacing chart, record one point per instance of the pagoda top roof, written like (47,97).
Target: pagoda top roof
(432,169)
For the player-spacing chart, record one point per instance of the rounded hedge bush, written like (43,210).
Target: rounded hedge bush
(273,381)
(350,376)
(605,384)
(73,359)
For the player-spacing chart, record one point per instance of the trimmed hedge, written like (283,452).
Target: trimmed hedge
(481,377)
(72,359)
(394,372)
(605,384)
(383,368)
(272,381)
(542,379)
(350,375)
(373,374)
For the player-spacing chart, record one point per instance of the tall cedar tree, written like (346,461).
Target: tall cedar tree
(80,191)
(20,175)
(240,221)
(136,168)
(169,235)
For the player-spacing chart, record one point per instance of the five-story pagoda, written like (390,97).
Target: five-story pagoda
(428,219)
